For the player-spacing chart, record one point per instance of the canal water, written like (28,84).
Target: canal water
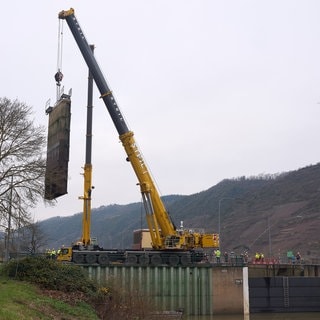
(261,316)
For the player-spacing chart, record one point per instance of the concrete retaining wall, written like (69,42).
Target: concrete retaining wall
(227,289)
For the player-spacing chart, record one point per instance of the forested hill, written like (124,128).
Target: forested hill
(269,213)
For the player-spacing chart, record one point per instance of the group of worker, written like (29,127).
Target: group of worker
(293,258)
(226,257)
(259,257)
(52,254)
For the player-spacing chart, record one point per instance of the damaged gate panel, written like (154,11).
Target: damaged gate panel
(56,177)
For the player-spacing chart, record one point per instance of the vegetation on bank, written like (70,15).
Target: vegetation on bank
(22,300)
(39,288)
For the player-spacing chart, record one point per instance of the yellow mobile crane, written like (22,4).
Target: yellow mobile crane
(170,245)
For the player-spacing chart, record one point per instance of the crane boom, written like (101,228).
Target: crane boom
(87,170)
(164,234)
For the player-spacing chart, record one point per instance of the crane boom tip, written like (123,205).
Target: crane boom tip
(65,13)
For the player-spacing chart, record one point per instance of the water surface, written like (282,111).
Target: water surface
(261,316)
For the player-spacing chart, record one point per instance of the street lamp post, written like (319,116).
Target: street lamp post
(219,221)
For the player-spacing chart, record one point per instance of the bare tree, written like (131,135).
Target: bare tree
(31,239)
(22,162)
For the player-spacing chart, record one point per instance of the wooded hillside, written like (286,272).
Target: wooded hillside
(270,214)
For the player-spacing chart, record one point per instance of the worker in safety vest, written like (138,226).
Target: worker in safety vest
(218,255)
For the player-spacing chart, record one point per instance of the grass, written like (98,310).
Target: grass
(22,300)
(38,288)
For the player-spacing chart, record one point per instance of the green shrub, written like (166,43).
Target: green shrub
(50,274)
(109,302)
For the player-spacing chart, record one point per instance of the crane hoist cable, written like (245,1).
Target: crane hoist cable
(59,75)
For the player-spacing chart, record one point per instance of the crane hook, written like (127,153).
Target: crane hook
(58,77)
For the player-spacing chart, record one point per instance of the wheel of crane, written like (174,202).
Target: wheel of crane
(91,258)
(132,259)
(185,259)
(173,260)
(78,258)
(144,260)
(103,259)
(156,259)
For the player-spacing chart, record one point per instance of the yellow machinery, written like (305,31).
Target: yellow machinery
(170,245)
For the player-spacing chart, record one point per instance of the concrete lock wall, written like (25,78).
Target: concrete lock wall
(204,290)
(228,289)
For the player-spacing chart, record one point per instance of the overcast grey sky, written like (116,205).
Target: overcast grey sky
(212,89)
